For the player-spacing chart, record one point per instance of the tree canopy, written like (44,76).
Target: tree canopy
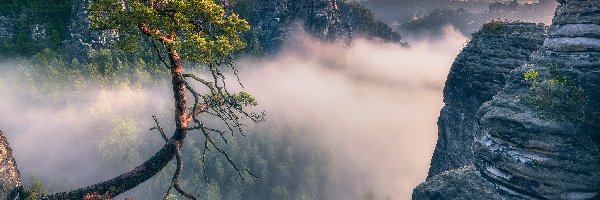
(197,31)
(201,30)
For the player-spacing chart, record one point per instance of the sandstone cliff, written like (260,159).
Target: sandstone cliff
(477,74)
(538,137)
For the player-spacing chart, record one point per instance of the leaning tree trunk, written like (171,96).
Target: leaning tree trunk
(9,174)
(156,163)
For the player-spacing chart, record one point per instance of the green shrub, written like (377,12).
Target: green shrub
(556,97)
(493,26)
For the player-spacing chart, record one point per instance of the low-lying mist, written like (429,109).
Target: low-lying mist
(373,105)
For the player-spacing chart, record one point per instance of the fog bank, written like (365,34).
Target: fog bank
(373,105)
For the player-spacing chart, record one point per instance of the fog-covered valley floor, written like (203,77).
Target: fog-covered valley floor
(372,107)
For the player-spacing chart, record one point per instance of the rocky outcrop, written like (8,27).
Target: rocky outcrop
(9,174)
(444,186)
(80,39)
(538,137)
(360,22)
(272,22)
(6,27)
(477,74)
(327,20)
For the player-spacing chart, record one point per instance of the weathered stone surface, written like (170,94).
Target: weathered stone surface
(462,183)
(539,137)
(80,39)
(548,148)
(327,20)
(575,30)
(478,73)
(9,174)
(577,12)
(527,152)
(572,44)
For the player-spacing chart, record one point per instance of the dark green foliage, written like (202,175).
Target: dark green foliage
(52,16)
(35,189)
(493,26)
(246,10)
(50,76)
(363,22)
(435,21)
(201,31)
(288,166)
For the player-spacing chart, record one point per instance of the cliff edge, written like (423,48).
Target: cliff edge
(477,74)
(538,137)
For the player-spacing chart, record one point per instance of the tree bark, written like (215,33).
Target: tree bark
(158,161)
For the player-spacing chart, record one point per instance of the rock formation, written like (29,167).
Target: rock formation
(327,20)
(9,174)
(80,39)
(538,137)
(477,74)
(272,22)
(6,27)
(547,147)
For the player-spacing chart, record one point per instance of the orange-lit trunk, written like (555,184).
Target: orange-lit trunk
(178,95)
(158,161)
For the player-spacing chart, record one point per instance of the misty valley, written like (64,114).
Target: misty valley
(299,99)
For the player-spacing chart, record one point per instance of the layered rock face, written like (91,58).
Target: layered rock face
(9,174)
(478,73)
(462,183)
(538,137)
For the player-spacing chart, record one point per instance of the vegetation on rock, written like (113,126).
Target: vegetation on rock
(556,97)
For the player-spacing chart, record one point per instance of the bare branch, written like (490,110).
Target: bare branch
(205,129)
(208,84)
(237,169)
(204,160)
(177,175)
(168,192)
(159,54)
(160,129)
